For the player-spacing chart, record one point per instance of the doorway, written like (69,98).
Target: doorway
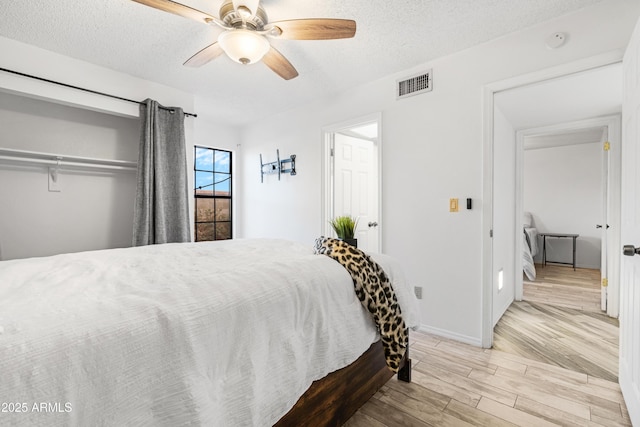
(578,193)
(351,178)
(505,237)
(561,141)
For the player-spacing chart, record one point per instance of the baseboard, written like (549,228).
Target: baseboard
(451,335)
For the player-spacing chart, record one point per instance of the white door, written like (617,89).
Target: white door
(630,232)
(356,187)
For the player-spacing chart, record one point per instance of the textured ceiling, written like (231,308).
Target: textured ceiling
(391,36)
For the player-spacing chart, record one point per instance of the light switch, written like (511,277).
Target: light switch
(453,205)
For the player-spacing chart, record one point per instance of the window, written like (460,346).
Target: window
(212,169)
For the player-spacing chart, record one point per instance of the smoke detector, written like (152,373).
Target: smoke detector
(556,40)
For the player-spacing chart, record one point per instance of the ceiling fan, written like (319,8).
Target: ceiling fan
(247,29)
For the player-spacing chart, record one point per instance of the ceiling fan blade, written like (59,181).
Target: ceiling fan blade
(207,54)
(279,64)
(314,29)
(179,9)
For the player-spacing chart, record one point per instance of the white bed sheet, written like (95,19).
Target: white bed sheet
(529,237)
(222,333)
(532,232)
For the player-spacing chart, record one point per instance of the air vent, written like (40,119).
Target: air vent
(415,85)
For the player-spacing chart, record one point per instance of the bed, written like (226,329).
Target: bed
(242,332)
(529,246)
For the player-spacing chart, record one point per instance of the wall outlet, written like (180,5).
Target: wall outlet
(418,291)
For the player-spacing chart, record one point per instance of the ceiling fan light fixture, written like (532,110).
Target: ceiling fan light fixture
(244,46)
(247,30)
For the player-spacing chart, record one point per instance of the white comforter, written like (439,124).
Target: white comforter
(529,251)
(223,333)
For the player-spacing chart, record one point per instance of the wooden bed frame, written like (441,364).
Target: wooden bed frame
(332,400)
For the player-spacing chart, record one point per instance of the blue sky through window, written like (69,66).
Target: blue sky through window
(204,159)
(213,169)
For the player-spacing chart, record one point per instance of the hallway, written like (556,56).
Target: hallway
(560,323)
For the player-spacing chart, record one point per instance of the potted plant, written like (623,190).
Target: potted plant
(345,227)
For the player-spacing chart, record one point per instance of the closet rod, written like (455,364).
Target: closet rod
(12,155)
(84,89)
(64,163)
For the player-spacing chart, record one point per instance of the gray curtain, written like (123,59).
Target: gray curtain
(161,213)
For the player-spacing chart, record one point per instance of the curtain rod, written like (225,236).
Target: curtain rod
(84,89)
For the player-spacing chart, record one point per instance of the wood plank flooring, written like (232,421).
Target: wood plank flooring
(582,341)
(516,382)
(562,286)
(456,384)
(560,322)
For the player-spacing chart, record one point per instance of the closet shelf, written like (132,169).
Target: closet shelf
(63,160)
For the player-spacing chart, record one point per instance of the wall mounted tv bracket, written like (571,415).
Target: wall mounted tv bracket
(279,166)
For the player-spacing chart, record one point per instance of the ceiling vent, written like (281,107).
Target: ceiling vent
(415,85)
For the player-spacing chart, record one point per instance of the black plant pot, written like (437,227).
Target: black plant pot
(352,242)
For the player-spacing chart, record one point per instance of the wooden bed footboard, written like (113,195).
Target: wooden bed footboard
(332,400)
(404,374)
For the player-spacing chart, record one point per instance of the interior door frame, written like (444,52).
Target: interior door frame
(489,90)
(327,179)
(613,125)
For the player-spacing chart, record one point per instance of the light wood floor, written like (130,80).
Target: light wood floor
(456,384)
(562,286)
(560,322)
(517,382)
(578,340)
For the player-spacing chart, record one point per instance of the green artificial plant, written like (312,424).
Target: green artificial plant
(344,226)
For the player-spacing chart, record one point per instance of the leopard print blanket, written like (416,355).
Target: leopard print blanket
(374,290)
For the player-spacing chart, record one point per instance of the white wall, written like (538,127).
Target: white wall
(504,202)
(28,59)
(563,192)
(64,221)
(94,209)
(432,151)
(208,132)
(32,60)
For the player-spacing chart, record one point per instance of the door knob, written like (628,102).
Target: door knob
(630,250)
(373,224)
(600,226)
